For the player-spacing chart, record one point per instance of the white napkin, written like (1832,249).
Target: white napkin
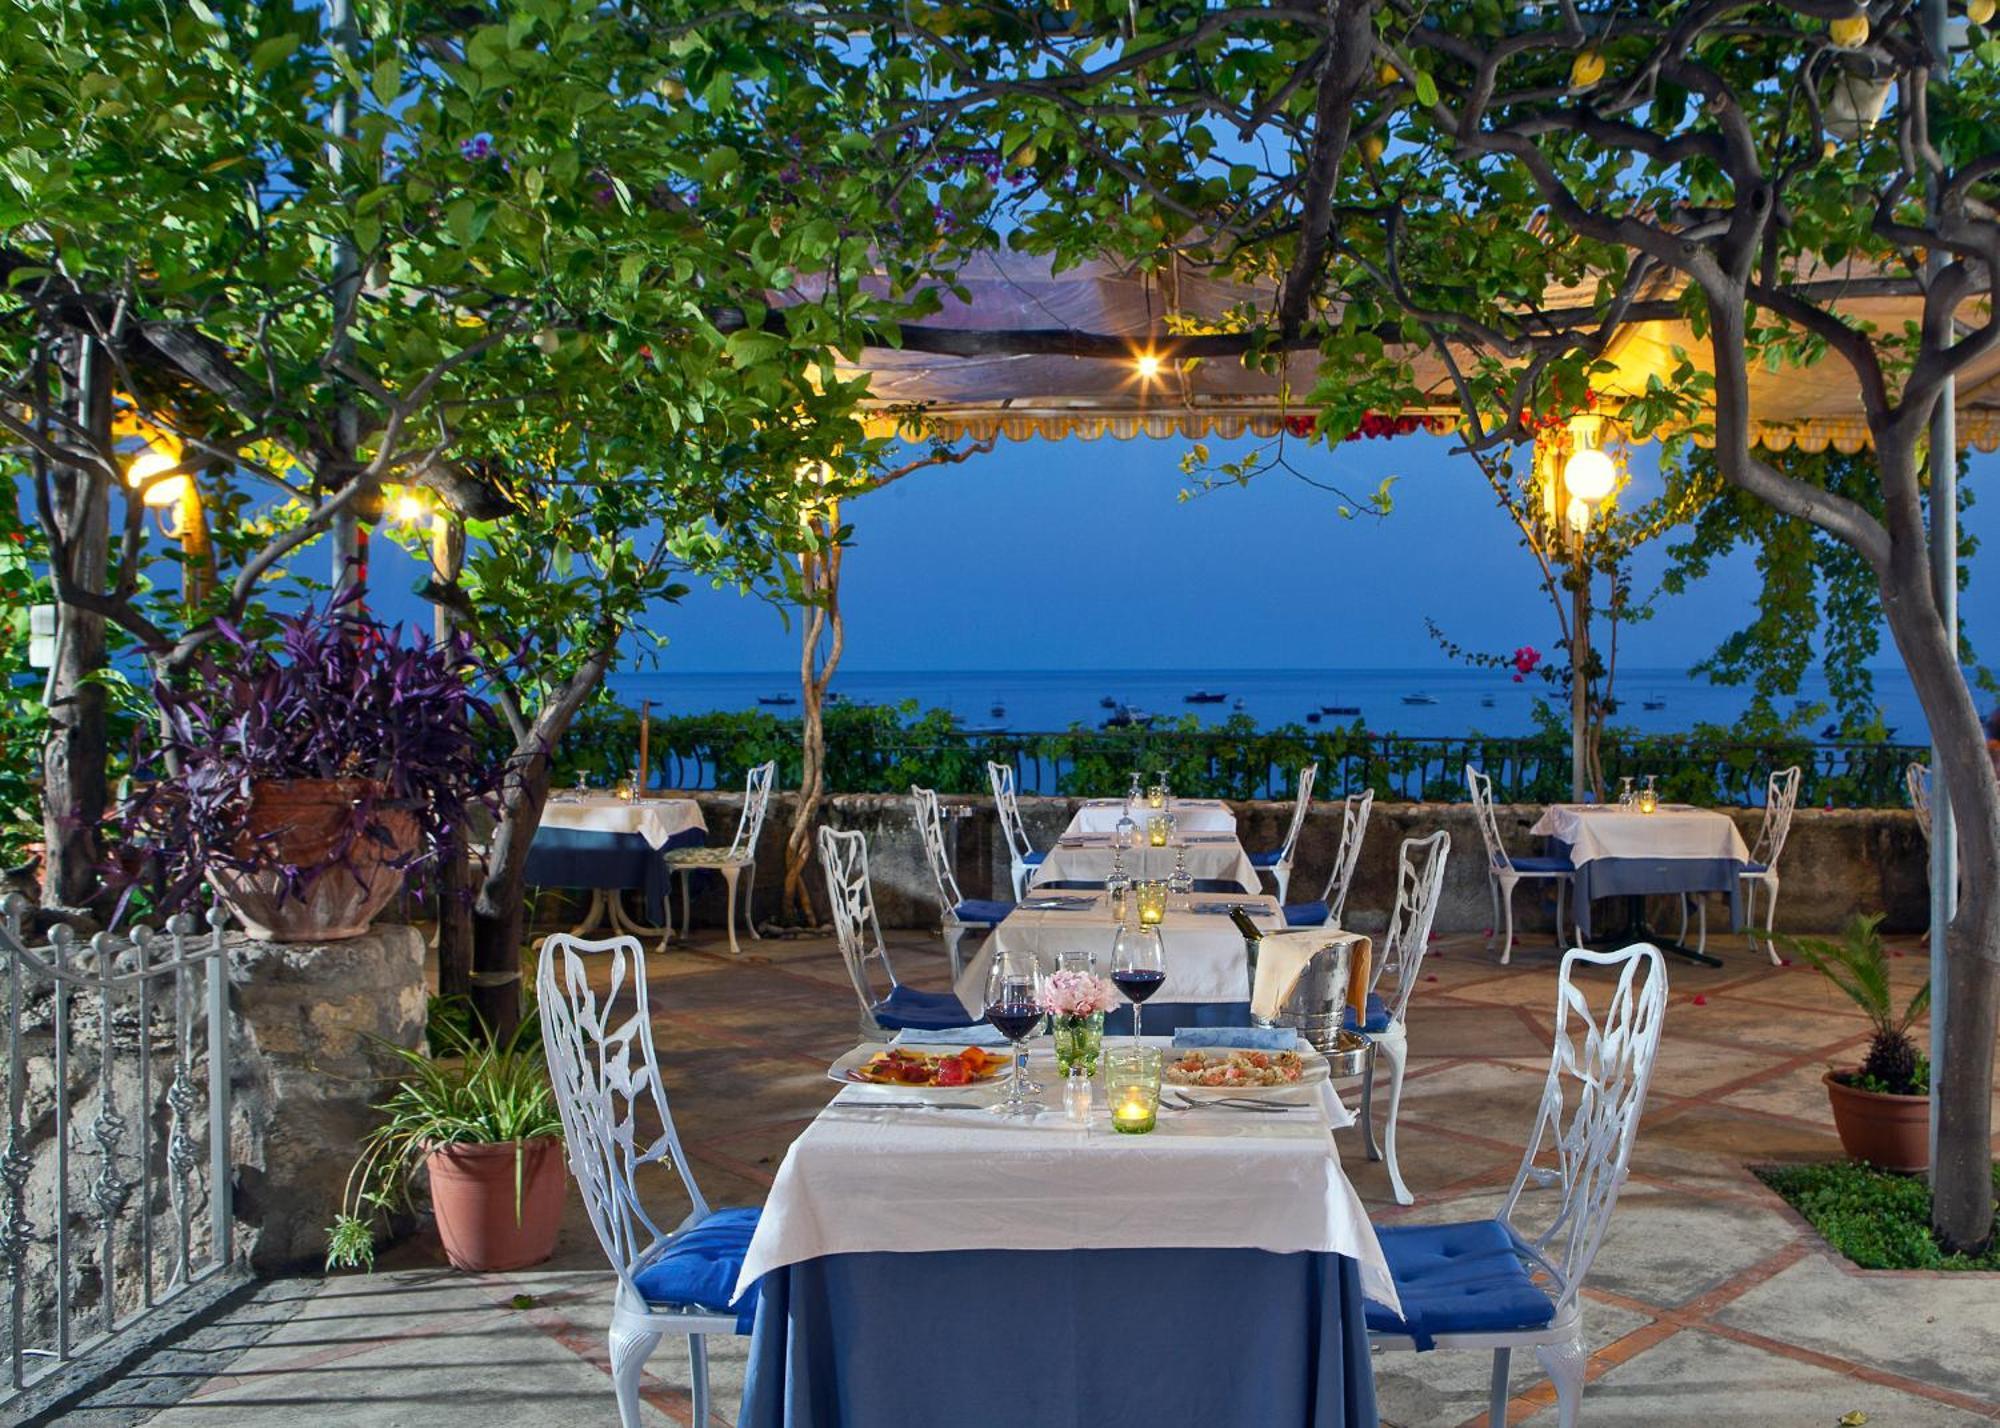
(1282,956)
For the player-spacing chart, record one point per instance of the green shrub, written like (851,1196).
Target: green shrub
(1877,1218)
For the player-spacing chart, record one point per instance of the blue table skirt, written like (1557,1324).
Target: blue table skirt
(1223,1338)
(1163,1017)
(582,858)
(1627,877)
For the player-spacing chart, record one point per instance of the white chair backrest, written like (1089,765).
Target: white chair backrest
(756,802)
(852,897)
(1419,884)
(591,1045)
(1001,776)
(1301,805)
(930,827)
(1353,828)
(1917,778)
(1481,788)
(1781,797)
(1590,1108)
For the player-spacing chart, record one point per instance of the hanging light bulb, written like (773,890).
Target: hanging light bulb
(1147,364)
(1588,475)
(149,465)
(409,508)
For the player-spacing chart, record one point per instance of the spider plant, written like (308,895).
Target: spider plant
(482,1094)
(1856,963)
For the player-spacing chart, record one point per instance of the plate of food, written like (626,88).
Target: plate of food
(911,1068)
(1242,1070)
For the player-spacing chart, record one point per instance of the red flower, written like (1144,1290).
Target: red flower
(1700,1000)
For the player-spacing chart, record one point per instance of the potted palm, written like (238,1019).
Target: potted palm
(303,779)
(1881,1108)
(482,1126)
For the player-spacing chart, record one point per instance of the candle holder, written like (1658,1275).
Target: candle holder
(625,792)
(1159,828)
(1132,1087)
(1649,797)
(1156,796)
(1151,896)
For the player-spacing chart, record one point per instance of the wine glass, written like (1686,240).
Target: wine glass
(1013,1005)
(1180,880)
(1136,793)
(1138,967)
(1626,798)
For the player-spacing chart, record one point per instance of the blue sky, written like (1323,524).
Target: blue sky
(1078,555)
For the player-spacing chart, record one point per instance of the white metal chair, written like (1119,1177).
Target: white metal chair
(1781,799)
(1490,1284)
(1332,904)
(669,1282)
(1917,779)
(1504,871)
(1022,859)
(1419,884)
(1278,861)
(737,861)
(844,856)
(959,914)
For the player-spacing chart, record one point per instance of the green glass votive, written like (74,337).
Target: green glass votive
(1132,1087)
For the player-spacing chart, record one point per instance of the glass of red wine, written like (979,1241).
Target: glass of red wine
(1138,967)
(1014,1006)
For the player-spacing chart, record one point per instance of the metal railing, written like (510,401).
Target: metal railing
(691,755)
(132,1032)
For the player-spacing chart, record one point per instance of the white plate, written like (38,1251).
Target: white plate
(1313,1073)
(843,1070)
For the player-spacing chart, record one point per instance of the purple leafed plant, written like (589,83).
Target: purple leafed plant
(333,695)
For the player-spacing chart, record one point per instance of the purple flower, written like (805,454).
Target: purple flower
(477,149)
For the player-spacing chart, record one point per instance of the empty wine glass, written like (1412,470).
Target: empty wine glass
(1625,795)
(1138,967)
(1180,880)
(1136,792)
(1014,1007)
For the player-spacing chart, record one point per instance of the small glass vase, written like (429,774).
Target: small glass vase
(1079,1041)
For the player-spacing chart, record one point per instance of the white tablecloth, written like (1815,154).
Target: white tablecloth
(1087,858)
(654,819)
(1594,830)
(1205,956)
(864,1180)
(1195,815)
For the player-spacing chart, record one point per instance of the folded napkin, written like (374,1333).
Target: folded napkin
(1256,1038)
(1282,956)
(1057,904)
(980,1034)
(1222,909)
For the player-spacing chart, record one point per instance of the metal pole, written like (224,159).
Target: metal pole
(350,536)
(1944,576)
(1579,657)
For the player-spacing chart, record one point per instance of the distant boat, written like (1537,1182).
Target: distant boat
(1127,717)
(835,697)
(1652,703)
(1313,718)
(1345,710)
(1107,702)
(998,711)
(1420,699)
(1239,702)
(1204,696)
(777,699)
(1485,701)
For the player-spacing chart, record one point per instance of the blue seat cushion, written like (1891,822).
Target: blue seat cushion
(1307,914)
(1266,860)
(979,909)
(1540,864)
(1032,858)
(907,1007)
(1463,1278)
(1755,868)
(699,1267)
(1377,1019)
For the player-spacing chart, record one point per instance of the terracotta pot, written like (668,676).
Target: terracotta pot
(1888,1132)
(472,1192)
(302,823)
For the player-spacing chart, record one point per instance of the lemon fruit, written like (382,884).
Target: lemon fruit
(1850,33)
(1980,12)
(1372,146)
(1586,71)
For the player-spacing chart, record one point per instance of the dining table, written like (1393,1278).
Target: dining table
(611,845)
(1194,815)
(926,1261)
(1203,837)
(1618,850)
(1207,963)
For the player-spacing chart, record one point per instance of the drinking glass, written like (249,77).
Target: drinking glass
(1159,828)
(1013,1005)
(1181,880)
(1138,967)
(1625,795)
(1136,792)
(1151,896)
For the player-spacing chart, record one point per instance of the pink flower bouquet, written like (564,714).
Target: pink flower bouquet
(1077,994)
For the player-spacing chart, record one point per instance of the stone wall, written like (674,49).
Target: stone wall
(1836,863)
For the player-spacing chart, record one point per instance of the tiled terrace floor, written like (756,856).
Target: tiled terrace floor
(1710,1303)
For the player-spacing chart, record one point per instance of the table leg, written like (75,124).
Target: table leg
(594,917)
(1637,929)
(624,921)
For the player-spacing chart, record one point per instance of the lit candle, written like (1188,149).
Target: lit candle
(1152,899)
(1156,796)
(1649,801)
(1133,1114)
(1156,831)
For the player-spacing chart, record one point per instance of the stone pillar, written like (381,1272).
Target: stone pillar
(310,1020)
